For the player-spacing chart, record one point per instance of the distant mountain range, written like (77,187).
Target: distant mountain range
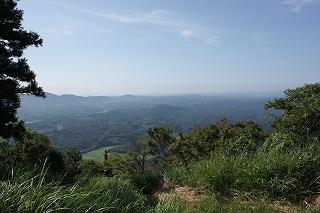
(92,122)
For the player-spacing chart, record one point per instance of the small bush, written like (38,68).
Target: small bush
(90,168)
(147,182)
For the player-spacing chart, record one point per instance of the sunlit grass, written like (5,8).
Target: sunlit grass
(291,175)
(24,195)
(98,154)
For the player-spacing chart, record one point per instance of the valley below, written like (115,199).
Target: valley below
(89,123)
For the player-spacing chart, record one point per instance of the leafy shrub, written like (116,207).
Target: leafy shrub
(175,204)
(232,139)
(300,115)
(177,174)
(243,137)
(34,150)
(147,182)
(90,168)
(196,145)
(240,144)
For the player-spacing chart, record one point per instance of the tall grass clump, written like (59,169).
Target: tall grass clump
(213,205)
(292,174)
(24,195)
(175,204)
(172,204)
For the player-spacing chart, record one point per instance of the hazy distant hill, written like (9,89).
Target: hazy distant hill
(93,122)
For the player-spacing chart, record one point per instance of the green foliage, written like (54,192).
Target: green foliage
(176,204)
(90,168)
(56,162)
(215,174)
(146,182)
(35,148)
(172,204)
(15,75)
(279,142)
(221,158)
(196,145)
(244,137)
(241,137)
(72,158)
(140,152)
(178,174)
(7,153)
(161,139)
(300,113)
(213,205)
(291,175)
(141,155)
(24,194)
(120,164)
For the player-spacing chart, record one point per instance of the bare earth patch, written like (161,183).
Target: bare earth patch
(317,201)
(189,194)
(284,207)
(193,195)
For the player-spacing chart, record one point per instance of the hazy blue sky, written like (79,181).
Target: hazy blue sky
(103,47)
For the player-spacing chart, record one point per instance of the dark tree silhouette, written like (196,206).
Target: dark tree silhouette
(16,78)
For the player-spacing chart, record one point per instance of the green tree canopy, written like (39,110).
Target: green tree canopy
(161,137)
(300,112)
(233,139)
(16,77)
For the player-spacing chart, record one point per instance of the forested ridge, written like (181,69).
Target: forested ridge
(89,123)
